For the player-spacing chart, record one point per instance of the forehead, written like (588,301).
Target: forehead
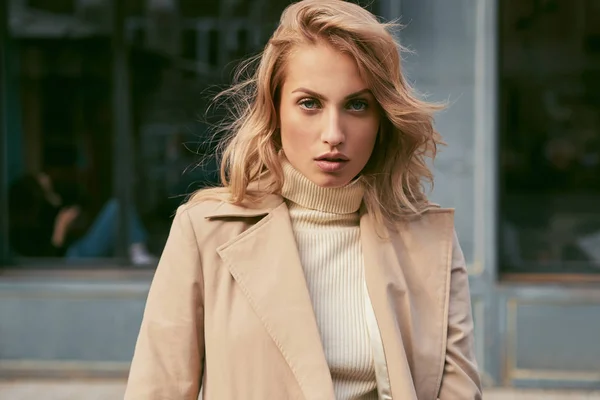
(320,67)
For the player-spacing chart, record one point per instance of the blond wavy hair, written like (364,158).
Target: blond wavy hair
(396,173)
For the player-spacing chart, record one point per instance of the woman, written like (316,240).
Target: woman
(41,224)
(320,270)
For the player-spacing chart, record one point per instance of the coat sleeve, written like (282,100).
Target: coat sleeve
(460,379)
(168,357)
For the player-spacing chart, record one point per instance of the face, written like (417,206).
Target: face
(328,117)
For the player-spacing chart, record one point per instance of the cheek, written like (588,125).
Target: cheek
(296,129)
(286,125)
(291,136)
(295,140)
(368,146)
(366,133)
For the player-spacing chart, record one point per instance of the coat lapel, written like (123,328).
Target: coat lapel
(407,279)
(265,263)
(386,286)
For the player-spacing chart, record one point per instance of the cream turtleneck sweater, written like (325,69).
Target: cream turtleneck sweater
(326,227)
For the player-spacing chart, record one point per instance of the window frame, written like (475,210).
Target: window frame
(3,133)
(504,276)
(122,127)
(122,149)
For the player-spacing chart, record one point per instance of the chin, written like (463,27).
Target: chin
(330,180)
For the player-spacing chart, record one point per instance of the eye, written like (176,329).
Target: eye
(309,104)
(357,105)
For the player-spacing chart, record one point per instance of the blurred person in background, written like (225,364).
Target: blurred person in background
(319,270)
(41,224)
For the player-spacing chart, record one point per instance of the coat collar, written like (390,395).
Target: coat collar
(260,208)
(265,263)
(247,209)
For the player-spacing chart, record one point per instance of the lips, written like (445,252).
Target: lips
(332,162)
(332,157)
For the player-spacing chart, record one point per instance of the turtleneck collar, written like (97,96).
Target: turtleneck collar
(302,191)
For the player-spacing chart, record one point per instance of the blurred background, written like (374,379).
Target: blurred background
(104,124)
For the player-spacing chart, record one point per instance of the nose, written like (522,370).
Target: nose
(333,134)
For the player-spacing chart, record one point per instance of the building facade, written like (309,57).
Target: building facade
(108,97)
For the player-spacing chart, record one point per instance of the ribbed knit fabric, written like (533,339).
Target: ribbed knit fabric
(326,227)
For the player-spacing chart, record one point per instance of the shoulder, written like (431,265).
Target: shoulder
(432,212)
(439,214)
(216,205)
(203,203)
(193,223)
(433,223)
(435,208)
(210,218)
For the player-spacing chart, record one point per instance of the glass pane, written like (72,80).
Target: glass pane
(60,137)
(550,136)
(177,64)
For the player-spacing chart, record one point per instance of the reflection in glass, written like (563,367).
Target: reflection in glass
(550,136)
(172,87)
(61,201)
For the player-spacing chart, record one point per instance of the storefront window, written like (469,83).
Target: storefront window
(550,136)
(81,168)
(175,71)
(62,203)
(60,147)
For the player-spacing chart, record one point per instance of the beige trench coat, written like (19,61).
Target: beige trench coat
(229,310)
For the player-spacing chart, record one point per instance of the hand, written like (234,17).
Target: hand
(64,219)
(67,215)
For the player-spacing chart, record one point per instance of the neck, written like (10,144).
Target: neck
(303,192)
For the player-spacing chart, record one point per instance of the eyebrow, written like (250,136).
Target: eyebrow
(321,97)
